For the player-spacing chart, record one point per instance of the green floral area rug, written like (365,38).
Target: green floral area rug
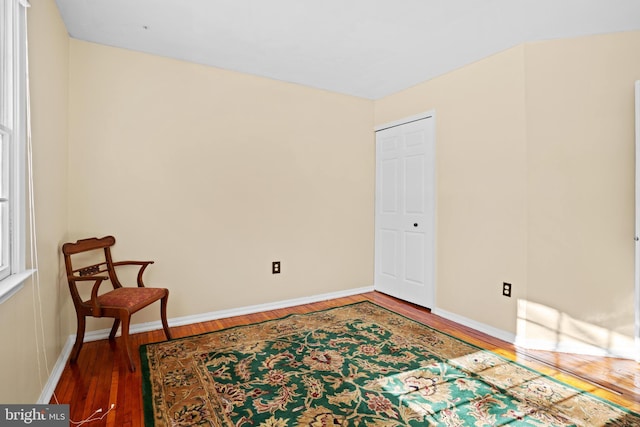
(357,365)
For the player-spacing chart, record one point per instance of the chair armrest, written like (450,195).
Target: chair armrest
(115,264)
(143,265)
(96,310)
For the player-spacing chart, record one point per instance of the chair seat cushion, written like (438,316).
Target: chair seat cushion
(132,299)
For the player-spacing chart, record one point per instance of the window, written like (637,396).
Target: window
(13,133)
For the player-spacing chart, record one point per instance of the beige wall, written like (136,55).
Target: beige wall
(481,183)
(21,377)
(580,162)
(215,174)
(535,159)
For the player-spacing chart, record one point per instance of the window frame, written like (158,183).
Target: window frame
(14,133)
(5,202)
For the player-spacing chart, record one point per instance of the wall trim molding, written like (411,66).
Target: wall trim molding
(576,348)
(56,373)
(221,314)
(478,326)
(529,344)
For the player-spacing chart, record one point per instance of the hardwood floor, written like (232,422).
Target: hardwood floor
(101,376)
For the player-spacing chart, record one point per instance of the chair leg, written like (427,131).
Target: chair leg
(114,329)
(163,315)
(79,339)
(125,340)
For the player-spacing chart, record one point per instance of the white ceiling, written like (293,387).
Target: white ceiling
(366,48)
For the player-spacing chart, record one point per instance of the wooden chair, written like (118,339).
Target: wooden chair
(120,302)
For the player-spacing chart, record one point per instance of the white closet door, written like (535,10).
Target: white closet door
(405,212)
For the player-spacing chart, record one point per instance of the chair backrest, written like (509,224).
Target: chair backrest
(84,262)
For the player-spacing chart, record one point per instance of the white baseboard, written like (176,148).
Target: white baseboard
(56,372)
(221,314)
(188,320)
(529,344)
(54,377)
(577,348)
(478,326)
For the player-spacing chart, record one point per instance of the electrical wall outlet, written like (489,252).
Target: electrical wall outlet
(506,289)
(275,267)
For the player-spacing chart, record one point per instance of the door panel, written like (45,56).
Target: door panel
(389,253)
(414,184)
(389,186)
(414,252)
